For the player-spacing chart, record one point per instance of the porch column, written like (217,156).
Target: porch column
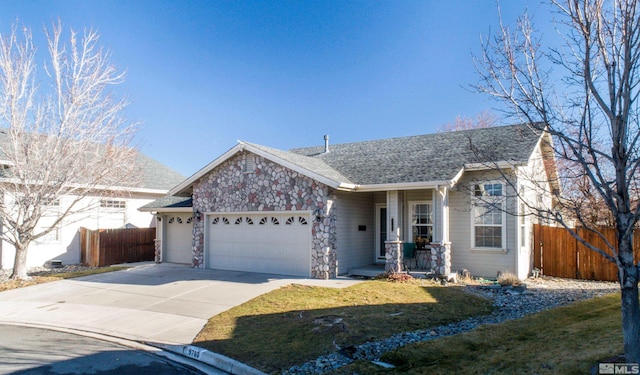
(444,197)
(393,255)
(441,257)
(393,245)
(158,242)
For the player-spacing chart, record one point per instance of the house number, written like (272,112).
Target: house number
(193,353)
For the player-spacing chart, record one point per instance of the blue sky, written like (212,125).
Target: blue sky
(203,74)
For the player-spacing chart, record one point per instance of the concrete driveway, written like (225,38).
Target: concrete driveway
(159,303)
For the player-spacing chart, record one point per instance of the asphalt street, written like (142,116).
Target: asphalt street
(28,350)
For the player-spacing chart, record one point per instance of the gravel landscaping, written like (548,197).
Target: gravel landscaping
(510,303)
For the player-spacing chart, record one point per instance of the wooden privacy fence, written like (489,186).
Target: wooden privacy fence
(558,253)
(104,247)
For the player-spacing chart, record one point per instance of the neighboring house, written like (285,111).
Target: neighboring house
(117,208)
(321,211)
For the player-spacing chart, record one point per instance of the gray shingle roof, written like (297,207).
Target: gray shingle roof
(432,158)
(423,158)
(154,175)
(168,201)
(310,163)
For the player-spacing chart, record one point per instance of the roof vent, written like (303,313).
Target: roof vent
(326,143)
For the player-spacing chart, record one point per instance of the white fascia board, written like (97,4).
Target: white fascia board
(132,190)
(166,209)
(206,169)
(241,146)
(347,187)
(402,186)
(457,177)
(322,179)
(159,192)
(502,164)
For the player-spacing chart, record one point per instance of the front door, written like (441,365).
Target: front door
(381,232)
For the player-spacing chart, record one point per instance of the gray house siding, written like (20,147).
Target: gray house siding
(480,262)
(355,230)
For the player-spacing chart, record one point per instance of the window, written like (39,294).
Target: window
(421,223)
(488,216)
(45,222)
(53,203)
(487,190)
(113,203)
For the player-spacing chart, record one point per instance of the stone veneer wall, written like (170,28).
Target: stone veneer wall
(247,182)
(441,258)
(393,256)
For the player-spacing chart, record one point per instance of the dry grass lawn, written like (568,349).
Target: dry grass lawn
(565,340)
(298,323)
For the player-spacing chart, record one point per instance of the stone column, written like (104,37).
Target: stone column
(158,248)
(324,264)
(393,255)
(441,257)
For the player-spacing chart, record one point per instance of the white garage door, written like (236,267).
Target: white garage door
(178,236)
(274,242)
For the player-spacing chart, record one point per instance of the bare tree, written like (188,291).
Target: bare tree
(61,134)
(484,119)
(585,95)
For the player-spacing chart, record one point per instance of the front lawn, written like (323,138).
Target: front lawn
(565,340)
(294,324)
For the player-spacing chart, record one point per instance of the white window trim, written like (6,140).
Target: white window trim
(113,204)
(410,216)
(472,220)
(56,231)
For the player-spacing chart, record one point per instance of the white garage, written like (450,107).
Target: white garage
(178,238)
(268,242)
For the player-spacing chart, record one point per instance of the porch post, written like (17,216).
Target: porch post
(444,195)
(441,257)
(393,245)
(158,243)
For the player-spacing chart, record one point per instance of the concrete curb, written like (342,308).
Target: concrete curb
(219,361)
(154,349)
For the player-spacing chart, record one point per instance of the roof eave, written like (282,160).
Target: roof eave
(128,189)
(241,146)
(311,174)
(502,164)
(166,209)
(403,186)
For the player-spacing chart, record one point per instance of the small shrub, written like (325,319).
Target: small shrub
(395,277)
(508,279)
(465,277)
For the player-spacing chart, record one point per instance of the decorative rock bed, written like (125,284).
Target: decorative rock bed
(510,302)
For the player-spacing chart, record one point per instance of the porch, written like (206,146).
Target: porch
(373,270)
(396,231)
